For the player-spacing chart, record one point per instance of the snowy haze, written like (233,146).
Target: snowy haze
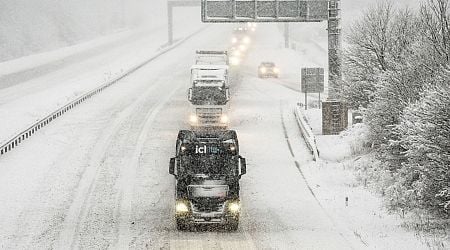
(96,176)
(30,26)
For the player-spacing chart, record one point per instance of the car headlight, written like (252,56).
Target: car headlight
(193,119)
(234,207)
(234,40)
(242,47)
(236,53)
(224,119)
(234,61)
(263,70)
(181,207)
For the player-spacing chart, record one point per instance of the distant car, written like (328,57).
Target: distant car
(268,69)
(240,36)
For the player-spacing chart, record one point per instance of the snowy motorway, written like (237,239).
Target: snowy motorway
(98,177)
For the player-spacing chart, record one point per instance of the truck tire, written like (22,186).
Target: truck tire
(182,225)
(232,225)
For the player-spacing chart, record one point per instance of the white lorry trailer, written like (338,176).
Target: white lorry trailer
(209,96)
(211,57)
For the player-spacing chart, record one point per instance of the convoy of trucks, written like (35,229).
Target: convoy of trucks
(207,166)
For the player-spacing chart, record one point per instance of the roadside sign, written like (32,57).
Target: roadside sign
(312,80)
(225,11)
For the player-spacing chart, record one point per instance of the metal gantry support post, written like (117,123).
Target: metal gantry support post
(171,4)
(334,49)
(286,35)
(169,23)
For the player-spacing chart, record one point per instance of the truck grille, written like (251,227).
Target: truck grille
(207,207)
(209,115)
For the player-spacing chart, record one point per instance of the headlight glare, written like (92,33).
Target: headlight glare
(181,207)
(234,61)
(234,207)
(193,119)
(224,119)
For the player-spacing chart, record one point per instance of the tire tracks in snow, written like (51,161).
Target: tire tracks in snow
(78,211)
(128,177)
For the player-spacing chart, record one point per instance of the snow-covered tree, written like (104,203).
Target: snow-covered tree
(375,44)
(425,136)
(404,86)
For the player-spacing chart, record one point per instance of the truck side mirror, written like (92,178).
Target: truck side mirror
(190,94)
(227,93)
(172,166)
(243,165)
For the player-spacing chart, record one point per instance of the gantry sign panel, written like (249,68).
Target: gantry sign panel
(223,11)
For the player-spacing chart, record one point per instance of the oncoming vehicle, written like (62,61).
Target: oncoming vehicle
(268,69)
(207,168)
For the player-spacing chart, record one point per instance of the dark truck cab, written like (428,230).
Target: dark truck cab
(207,169)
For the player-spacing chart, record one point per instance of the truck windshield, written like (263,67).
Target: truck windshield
(212,60)
(209,165)
(209,96)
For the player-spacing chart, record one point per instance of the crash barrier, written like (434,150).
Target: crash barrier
(28,132)
(307,133)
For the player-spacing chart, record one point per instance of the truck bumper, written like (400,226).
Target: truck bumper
(208,218)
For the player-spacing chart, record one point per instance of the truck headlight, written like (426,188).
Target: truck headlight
(246,40)
(234,40)
(234,207)
(234,61)
(276,70)
(263,70)
(193,119)
(242,47)
(224,119)
(181,207)
(236,53)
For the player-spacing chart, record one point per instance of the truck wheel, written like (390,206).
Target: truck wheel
(182,225)
(232,225)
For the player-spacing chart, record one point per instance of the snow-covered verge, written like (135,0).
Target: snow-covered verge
(344,180)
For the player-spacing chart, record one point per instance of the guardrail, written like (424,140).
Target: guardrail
(13,142)
(307,133)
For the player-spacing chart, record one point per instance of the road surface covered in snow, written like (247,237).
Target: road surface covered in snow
(98,176)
